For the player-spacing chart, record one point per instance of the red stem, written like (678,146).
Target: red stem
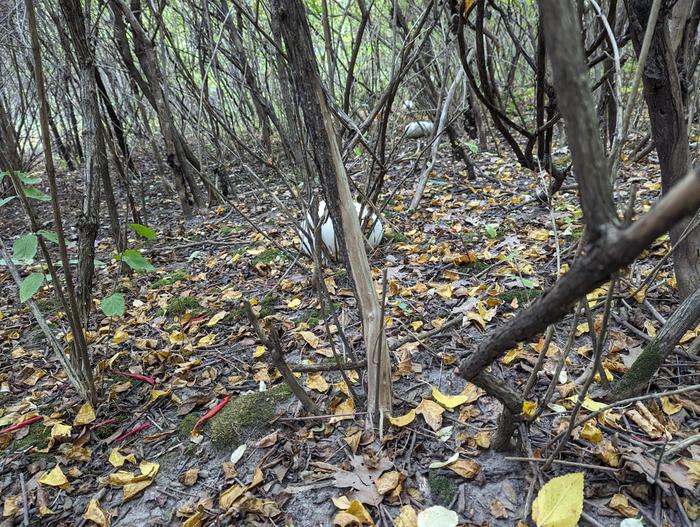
(134,431)
(27,422)
(211,413)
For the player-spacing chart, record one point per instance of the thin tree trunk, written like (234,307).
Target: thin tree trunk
(664,98)
(319,123)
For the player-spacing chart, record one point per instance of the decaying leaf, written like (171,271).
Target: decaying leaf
(431,412)
(466,468)
(361,480)
(407,517)
(96,514)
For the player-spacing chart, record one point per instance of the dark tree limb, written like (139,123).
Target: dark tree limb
(272,342)
(617,249)
(560,26)
(636,378)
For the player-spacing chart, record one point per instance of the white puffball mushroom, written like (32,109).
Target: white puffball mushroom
(418,129)
(328,232)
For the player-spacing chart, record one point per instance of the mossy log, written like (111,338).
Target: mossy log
(647,364)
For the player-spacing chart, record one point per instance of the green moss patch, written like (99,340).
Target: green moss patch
(246,416)
(523,295)
(184,427)
(638,376)
(38,437)
(395,237)
(180,304)
(477,266)
(268,256)
(442,488)
(169,279)
(267,305)
(314,316)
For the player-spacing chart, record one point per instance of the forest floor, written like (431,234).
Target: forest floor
(476,250)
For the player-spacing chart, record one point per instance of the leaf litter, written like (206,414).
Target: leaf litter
(183,347)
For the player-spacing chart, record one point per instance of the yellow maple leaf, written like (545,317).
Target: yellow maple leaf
(61,431)
(119,337)
(670,407)
(177,337)
(230,496)
(206,340)
(529,408)
(135,487)
(445,291)
(311,339)
(407,517)
(116,459)
(195,520)
(466,468)
(559,502)
(344,410)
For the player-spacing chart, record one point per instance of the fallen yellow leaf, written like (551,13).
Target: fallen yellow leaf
(403,420)
(54,478)
(60,431)
(86,415)
(213,321)
(96,514)
(431,412)
(316,381)
(559,502)
(466,468)
(591,432)
(407,517)
(449,401)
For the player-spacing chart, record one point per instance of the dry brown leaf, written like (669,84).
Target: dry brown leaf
(466,468)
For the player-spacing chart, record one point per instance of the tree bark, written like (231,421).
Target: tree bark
(318,118)
(636,378)
(664,98)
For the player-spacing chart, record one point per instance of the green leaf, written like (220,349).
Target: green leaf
(33,193)
(5,201)
(133,259)
(142,230)
(24,248)
(30,286)
(491,231)
(48,235)
(27,179)
(528,283)
(113,306)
